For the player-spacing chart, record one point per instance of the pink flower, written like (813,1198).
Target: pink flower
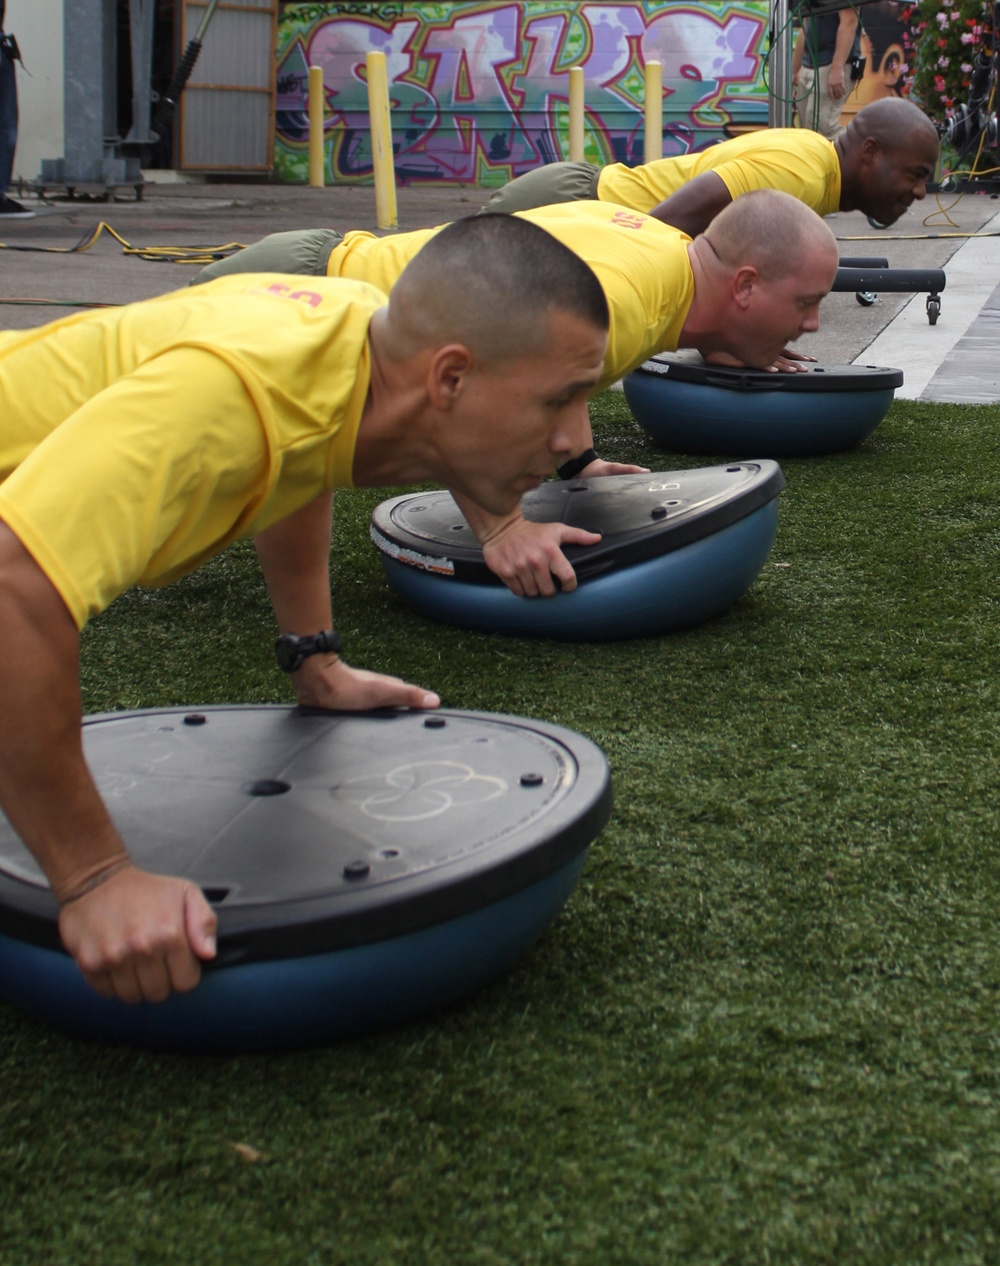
(966,68)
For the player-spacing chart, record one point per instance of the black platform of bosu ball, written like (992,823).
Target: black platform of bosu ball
(676,548)
(365,868)
(691,407)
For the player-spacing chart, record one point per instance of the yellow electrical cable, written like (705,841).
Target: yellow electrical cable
(942,210)
(909,237)
(157,254)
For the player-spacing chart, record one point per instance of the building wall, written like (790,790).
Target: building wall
(882,47)
(38,25)
(479,90)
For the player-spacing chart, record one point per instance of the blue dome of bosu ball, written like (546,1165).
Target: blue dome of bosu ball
(690,407)
(677,547)
(366,868)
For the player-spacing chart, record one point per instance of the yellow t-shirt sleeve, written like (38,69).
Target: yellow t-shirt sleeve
(150,477)
(362,256)
(805,170)
(795,160)
(644,187)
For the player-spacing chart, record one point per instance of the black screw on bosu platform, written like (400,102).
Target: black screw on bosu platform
(388,870)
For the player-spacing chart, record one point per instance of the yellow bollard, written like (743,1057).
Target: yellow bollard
(576,114)
(653,146)
(317,178)
(381,133)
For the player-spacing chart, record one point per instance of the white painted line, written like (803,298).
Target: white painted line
(910,343)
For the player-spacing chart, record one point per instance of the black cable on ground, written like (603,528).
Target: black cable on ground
(59,303)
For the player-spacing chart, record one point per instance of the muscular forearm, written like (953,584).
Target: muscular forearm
(695,205)
(295,558)
(45,787)
(133,935)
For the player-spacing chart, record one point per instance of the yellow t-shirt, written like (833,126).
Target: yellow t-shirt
(136,442)
(642,265)
(795,160)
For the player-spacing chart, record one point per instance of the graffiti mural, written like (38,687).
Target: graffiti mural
(479,91)
(883,43)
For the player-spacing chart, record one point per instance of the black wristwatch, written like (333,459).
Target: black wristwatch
(570,469)
(292,651)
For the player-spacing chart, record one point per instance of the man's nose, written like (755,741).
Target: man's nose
(571,436)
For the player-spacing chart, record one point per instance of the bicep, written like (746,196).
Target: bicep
(693,207)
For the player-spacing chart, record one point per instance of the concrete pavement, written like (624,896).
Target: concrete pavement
(952,360)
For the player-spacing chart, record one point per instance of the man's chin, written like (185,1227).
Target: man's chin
(499,504)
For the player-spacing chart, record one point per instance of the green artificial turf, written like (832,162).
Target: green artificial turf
(763,1030)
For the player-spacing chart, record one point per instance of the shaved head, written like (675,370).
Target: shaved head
(770,230)
(762,268)
(894,123)
(491,283)
(887,155)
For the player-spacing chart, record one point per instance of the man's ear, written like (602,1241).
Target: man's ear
(447,372)
(745,281)
(869,150)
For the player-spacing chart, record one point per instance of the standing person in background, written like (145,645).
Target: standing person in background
(9,54)
(826,49)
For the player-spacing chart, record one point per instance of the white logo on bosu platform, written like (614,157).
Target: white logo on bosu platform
(419,790)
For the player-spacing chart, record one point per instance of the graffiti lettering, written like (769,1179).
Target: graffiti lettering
(307,14)
(479,92)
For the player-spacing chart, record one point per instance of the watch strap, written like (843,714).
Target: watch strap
(291,651)
(570,469)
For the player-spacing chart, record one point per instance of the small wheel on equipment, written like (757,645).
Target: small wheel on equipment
(866,297)
(933,308)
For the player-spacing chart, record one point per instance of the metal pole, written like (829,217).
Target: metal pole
(779,67)
(141,15)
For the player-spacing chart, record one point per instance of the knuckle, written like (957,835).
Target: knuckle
(184,980)
(157,992)
(93,961)
(99,982)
